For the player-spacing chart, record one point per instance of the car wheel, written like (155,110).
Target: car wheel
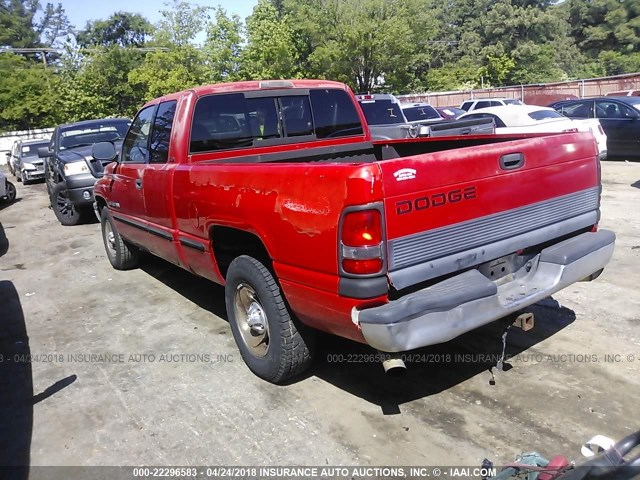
(11,191)
(272,344)
(67,213)
(121,254)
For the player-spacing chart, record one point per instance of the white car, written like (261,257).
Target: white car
(7,189)
(535,119)
(477,103)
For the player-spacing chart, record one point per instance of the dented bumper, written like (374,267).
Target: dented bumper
(469,300)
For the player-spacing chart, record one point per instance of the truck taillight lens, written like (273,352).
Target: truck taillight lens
(361,242)
(362,228)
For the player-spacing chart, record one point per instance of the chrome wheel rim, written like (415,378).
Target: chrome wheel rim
(251,320)
(109,240)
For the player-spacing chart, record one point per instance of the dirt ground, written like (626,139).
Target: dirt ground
(166,385)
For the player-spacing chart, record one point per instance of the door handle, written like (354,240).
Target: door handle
(511,161)
(138,183)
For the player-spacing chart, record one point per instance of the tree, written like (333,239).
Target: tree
(122,28)
(28,94)
(271,50)
(98,86)
(54,25)
(365,43)
(17,23)
(605,25)
(181,65)
(223,47)
(180,24)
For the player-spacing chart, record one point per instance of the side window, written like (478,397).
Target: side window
(162,132)
(296,113)
(264,118)
(219,123)
(579,110)
(483,104)
(135,148)
(499,123)
(466,106)
(608,109)
(496,104)
(334,114)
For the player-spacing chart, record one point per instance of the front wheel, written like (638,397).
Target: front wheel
(66,212)
(122,255)
(271,343)
(10,191)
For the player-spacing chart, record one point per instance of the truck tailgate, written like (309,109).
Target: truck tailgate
(455,209)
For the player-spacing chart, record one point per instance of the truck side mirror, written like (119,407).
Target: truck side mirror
(44,152)
(424,131)
(104,151)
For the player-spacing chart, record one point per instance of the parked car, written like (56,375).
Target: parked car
(619,117)
(27,165)
(450,113)
(71,171)
(7,189)
(387,121)
(535,119)
(476,103)
(398,244)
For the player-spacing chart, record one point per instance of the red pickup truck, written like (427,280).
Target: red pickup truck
(275,190)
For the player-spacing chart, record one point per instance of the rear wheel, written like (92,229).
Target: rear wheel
(121,254)
(272,344)
(67,213)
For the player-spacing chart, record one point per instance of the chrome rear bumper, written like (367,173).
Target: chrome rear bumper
(467,301)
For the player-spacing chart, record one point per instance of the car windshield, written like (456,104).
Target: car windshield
(382,112)
(544,114)
(31,150)
(424,112)
(79,136)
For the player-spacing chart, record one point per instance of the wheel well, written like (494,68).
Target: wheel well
(100,203)
(229,243)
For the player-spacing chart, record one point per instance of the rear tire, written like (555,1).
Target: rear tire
(121,254)
(66,212)
(273,345)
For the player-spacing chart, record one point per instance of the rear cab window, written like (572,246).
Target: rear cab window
(421,112)
(262,118)
(382,112)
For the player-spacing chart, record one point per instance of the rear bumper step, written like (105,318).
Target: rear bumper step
(467,301)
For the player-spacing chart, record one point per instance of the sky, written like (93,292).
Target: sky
(80,11)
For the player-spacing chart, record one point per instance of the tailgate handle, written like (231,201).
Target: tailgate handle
(465,131)
(511,161)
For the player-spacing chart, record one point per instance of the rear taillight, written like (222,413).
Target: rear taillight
(361,251)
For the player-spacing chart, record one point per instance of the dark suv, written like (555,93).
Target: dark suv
(71,171)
